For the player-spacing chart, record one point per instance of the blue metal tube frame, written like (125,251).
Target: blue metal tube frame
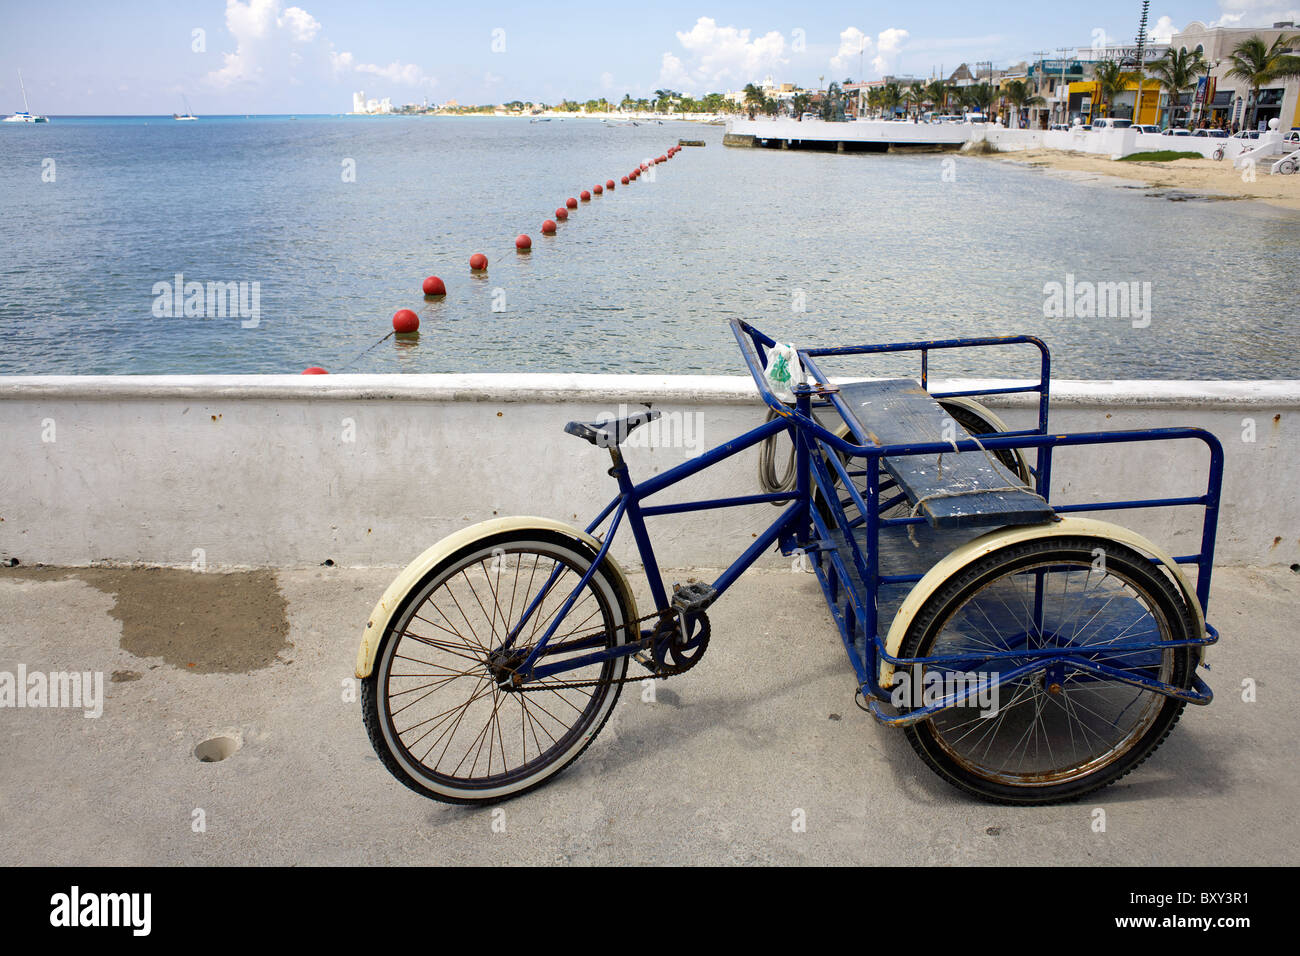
(833,573)
(802,527)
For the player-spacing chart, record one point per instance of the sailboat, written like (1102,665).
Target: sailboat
(25,116)
(189,114)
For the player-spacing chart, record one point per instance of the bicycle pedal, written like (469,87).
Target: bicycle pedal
(695,596)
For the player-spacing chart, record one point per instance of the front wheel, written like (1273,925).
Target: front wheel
(1058,734)
(434,705)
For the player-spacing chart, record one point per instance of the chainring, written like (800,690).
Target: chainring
(674,655)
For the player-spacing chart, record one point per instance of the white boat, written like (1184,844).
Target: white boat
(187,115)
(25,116)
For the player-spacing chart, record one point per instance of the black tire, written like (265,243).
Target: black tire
(988,605)
(449,602)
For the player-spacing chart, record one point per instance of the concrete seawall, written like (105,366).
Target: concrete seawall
(368,470)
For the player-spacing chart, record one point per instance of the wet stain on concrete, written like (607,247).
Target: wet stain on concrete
(205,622)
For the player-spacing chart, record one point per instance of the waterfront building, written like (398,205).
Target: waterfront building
(1228,97)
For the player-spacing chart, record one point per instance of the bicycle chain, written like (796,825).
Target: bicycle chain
(659,671)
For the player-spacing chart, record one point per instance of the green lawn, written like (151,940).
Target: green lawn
(1159,156)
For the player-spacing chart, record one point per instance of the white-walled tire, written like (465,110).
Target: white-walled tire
(434,710)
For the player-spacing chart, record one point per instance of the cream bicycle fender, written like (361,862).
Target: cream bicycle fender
(994,540)
(383,613)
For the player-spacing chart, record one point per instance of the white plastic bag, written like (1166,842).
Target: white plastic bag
(784,371)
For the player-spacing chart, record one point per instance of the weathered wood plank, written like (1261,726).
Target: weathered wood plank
(956,489)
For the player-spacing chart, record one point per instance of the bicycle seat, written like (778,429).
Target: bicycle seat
(603,434)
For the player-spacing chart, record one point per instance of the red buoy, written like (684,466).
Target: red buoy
(478,262)
(548,227)
(662,159)
(523,243)
(609,184)
(405,322)
(624,180)
(584,196)
(571,203)
(561,214)
(434,286)
(598,189)
(314,370)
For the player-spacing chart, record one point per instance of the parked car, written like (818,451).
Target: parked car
(1175,132)
(1292,138)
(1109,122)
(1148,129)
(1212,133)
(1246,134)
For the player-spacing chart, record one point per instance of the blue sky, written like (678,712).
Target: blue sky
(307,56)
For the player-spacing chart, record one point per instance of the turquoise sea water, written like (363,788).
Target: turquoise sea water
(872,247)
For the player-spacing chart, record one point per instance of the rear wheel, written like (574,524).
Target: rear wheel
(1058,734)
(435,706)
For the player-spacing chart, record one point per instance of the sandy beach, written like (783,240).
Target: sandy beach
(1205,177)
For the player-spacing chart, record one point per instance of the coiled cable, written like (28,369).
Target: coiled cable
(767,476)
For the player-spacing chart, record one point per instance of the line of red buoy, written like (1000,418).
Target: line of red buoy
(406,322)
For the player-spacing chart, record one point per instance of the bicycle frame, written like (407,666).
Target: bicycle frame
(800,528)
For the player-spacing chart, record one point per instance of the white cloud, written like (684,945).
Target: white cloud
(719,55)
(264,42)
(1255,13)
(274,47)
(672,73)
(407,74)
(1164,30)
(302,26)
(341,62)
(888,44)
(853,42)
(251,20)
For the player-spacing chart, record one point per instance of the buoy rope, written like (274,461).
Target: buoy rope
(368,348)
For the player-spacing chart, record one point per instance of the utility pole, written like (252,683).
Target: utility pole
(1038,77)
(1063,90)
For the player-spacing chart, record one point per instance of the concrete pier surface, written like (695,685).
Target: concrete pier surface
(717,769)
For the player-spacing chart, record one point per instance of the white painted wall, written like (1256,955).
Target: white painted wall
(258,471)
(1114,143)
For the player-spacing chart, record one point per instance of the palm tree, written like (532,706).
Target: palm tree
(936,91)
(1176,73)
(875,99)
(981,96)
(1258,64)
(1112,79)
(799,104)
(891,96)
(755,100)
(915,94)
(1021,94)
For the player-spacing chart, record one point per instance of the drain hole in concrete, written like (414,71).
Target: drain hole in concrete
(216,748)
(1294,567)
